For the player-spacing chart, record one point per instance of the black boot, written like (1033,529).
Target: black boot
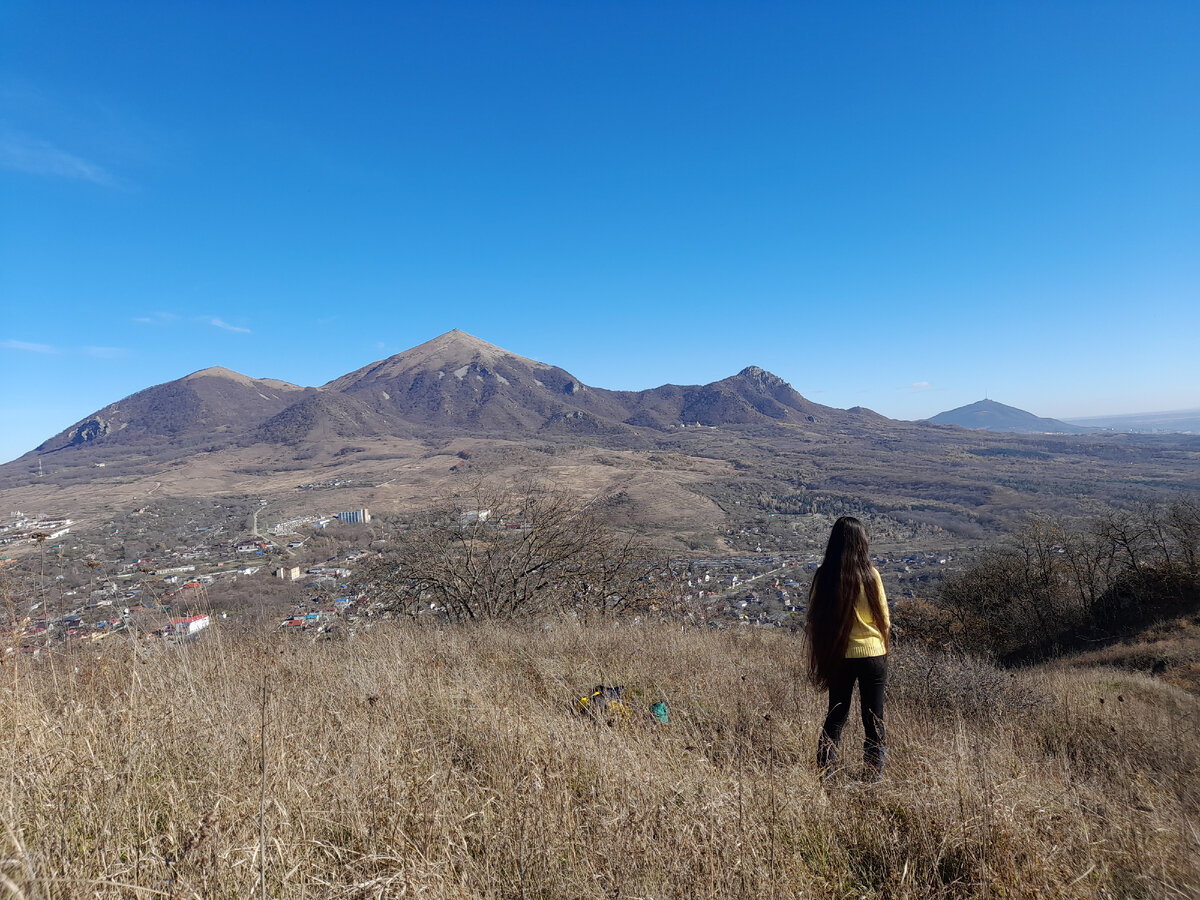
(827,754)
(874,756)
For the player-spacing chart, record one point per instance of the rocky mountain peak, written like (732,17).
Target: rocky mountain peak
(447,353)
(761,377)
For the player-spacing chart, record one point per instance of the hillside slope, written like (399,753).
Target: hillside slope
(212,405)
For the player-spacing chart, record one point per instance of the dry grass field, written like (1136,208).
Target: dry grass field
(1173,644)
(449,762)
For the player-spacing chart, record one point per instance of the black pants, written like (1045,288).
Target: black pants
(871,674)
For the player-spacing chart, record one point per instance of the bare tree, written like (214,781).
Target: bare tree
(1094,566)
(509,553)
(1052,586)
(1183,523)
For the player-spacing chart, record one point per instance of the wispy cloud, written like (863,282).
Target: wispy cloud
(166,318)
(218,323)
(158,318)
(27,347)
(34,156)
(920,386)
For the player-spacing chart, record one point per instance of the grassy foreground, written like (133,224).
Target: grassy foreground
(437,762)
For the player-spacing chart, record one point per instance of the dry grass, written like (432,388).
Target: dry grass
(1172,646)
(449,763)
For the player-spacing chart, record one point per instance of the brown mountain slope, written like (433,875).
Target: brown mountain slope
(213,404)
(323,416)
(753,396)
(458,381)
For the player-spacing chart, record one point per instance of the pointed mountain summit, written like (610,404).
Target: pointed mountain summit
(769,395)
(988,415)
(753,396)
(457,380)
(446,352)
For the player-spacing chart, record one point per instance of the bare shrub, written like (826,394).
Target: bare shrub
(513,553)
(958,684)
(1052,588)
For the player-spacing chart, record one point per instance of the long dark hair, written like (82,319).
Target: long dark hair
(845,571)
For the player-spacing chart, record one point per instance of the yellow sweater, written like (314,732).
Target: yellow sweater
(866,636)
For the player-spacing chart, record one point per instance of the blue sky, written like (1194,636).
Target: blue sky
(901,206)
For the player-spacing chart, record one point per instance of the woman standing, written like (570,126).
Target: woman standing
(848,625)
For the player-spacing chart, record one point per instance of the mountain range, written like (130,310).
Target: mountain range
(459,384)
(453,383)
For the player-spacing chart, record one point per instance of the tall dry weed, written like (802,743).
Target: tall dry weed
(449,762)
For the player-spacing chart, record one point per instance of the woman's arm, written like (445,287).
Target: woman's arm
(887,613)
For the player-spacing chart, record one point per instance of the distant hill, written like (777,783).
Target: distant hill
(988,415)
